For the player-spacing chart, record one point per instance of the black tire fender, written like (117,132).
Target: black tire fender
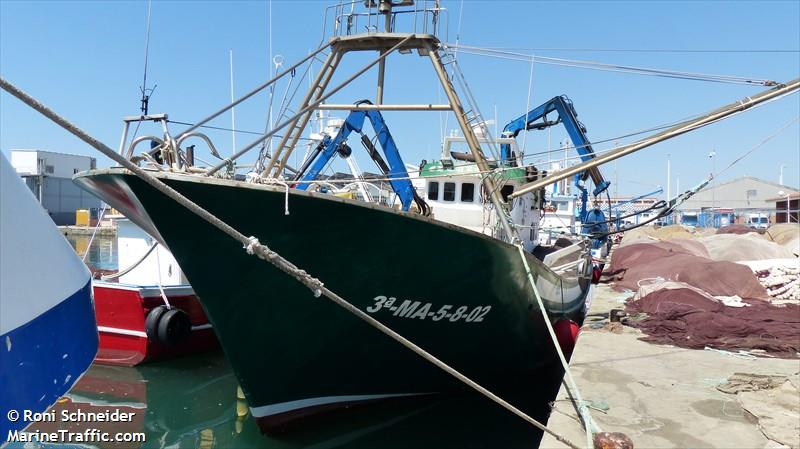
(174,327)
(151,321)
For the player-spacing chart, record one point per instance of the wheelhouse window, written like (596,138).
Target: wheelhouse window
(433,191)
(467,192)
(449,191)
(505,191)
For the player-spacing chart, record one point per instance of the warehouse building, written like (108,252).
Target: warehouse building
(745,193)
(787,202)
(733,201)
(49,176)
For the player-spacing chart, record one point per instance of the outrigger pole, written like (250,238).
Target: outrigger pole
(681,128)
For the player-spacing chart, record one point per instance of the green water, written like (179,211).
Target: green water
(191,403)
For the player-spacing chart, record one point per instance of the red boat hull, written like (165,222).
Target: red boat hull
(121,312)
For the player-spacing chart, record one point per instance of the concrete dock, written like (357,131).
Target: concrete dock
(104,231)
(665,396)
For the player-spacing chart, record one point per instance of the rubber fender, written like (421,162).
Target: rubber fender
(151,321)
(597,273)
(174,327)
(567,334)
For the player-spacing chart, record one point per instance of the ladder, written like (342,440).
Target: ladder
(296,127)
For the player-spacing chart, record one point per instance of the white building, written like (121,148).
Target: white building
(49,176)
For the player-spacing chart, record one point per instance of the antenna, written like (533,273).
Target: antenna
(146,93)
(233,110)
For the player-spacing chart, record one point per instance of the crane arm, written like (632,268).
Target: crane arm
(393,168)
(537,119)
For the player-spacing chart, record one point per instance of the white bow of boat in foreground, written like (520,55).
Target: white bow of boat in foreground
(48,334)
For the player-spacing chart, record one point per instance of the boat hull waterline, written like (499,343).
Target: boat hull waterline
(458,294)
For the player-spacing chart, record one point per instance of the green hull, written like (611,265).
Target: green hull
(295,354)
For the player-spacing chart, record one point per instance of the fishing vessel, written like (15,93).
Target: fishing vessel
(482,298)
(48,333)
(147,311)
(448,276)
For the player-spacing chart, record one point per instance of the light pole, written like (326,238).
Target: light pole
(668,177)
(669,219)
(780,180)
(788,210)
(713,187)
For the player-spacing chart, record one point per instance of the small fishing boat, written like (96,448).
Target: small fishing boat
(147,311)
(48,334)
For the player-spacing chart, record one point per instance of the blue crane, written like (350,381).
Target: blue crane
(577,133)
(395,171)
(594,221)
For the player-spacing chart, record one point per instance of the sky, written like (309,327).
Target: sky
(86,61)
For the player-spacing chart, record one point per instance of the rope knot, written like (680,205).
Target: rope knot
(252,244)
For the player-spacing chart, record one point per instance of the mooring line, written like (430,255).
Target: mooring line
(572,388)
(254,247)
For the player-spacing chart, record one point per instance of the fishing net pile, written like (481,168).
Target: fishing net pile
(731,290)
(782,282)
(689,318)
(685,261)
(737,247)
(736,229)
(786,235)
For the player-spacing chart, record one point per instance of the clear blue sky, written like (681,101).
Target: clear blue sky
(85,60)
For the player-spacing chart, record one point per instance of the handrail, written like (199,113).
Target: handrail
(139,140)
(211,146)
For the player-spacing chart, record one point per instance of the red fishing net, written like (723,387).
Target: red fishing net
(685,261)
(686,318)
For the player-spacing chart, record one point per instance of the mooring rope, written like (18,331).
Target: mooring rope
(254,247)
(589,425)
(94,232)
(132,266)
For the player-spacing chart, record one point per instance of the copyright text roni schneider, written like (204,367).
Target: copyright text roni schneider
(78,427)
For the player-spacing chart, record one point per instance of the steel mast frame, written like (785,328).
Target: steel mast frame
(385,43)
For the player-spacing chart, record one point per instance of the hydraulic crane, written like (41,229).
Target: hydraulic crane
(594,221)
(395,170)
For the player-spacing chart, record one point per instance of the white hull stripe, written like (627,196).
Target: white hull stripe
(147,291)
(133,333)
(114,330)
(283,407)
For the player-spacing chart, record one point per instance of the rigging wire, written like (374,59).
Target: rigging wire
(222,128)
(528,106)
(502,54)
(145,100)
(646,50)
(458,32)
(759,145)
(684,196)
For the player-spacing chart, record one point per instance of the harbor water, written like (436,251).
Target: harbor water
(192,402)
